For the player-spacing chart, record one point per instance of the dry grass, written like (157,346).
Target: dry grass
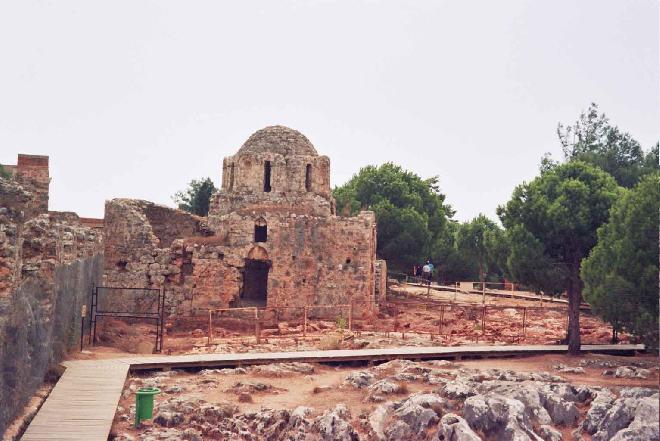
(330,342)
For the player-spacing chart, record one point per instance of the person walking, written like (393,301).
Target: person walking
(427,271)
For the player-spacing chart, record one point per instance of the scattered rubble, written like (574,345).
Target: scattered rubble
(371,404)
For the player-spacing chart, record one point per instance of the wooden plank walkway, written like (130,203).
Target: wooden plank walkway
(83,403)
(349,355)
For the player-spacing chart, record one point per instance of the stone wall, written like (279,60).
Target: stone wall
(39,323)
(276,185)
(381,281)
(48,265)
(32,171)
(314,260)
(143,246)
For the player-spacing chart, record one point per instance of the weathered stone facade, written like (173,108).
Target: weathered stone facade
(49,262)
(32,171)
(271,239)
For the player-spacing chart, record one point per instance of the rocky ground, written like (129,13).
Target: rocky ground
(537,398)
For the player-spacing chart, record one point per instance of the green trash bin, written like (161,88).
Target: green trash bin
(144,403)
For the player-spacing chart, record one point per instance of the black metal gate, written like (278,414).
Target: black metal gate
(134,303)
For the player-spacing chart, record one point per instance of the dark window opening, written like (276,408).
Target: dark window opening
(231,176)
(121,265)
(255,283)
(348,260)
(260,230)
(267,187)
(308,177)
(260,233)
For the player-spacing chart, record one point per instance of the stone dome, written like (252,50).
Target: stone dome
(278,139)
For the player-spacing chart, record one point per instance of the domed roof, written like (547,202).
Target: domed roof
(278,139)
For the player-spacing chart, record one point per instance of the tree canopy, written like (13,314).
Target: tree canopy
(558,213)
(410,211)
(480,240)
(195,199)
(4,173)
(594,140)
(621,273)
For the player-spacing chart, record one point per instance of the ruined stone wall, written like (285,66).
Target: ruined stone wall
(315,260)
(39,323)
(312,255)
(141,246)
(48,264)
(32,171)
(381,281)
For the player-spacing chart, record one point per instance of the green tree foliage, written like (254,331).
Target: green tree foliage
(4,173)
(451,263)
(561,210)
(411,214)
(195,199)
(481,241)
(594,140)
(621,273)
(527,262)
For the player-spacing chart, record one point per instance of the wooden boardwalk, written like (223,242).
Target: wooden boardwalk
(82,405)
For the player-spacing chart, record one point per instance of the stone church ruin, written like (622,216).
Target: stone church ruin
(272,238)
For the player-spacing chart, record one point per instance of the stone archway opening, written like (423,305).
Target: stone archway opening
(255,283)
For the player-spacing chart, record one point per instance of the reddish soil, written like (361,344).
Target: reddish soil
(411,321)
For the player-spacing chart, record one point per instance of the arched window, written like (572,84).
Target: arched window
(308,177)
(260,230)
(267,187)
(231,176)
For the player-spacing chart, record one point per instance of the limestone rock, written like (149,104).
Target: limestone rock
(360,379)
(549,433)
(169,419)
(502,417)
(335,424)
(299,415)
(630,418)
(458,389)
(454,428)
(597,411)
(384,387)
(419,411)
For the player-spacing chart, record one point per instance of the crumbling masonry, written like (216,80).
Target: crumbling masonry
(49,262)
(272,237)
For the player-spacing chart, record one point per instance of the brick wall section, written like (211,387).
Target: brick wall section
(32,170)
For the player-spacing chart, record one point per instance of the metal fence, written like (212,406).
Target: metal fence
(146,304)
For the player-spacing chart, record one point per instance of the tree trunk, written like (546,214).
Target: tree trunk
(574,299)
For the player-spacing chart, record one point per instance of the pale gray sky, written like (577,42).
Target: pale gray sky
(136,98)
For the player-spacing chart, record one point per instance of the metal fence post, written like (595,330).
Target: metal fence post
(483,322)
(350,317)
(210,329)
(256,325)
(304,321)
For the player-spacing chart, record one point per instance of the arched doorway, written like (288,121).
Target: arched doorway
(255,278)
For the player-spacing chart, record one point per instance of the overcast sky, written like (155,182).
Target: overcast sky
(136,98)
